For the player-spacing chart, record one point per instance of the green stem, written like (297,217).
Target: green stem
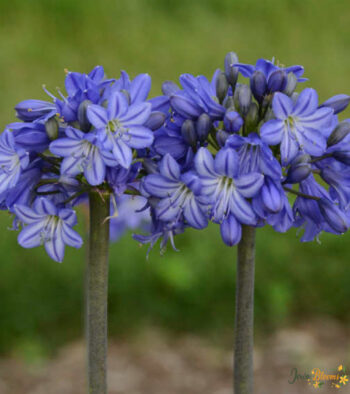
(96,293)
(244,319)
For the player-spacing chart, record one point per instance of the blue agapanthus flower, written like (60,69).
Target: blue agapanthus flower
(92,139)
(252,152)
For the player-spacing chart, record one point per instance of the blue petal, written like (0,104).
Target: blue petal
(185,106)
(242,209)
(307,102)
(271,197)
(95,169)
(169,168)
(139,88)
(271,132)
(227,162)
(55,246)
(71,237)
(65,147)
(158,186)
(68,216)
(249,184)
(117,105)
(137,115)
(97,116)
(31,235)
(138,137)
(231,231)
(166,210)
(282,105)
(26,214)
(122,153)
(204,163)
(44,207)
(193,214)
(289,148)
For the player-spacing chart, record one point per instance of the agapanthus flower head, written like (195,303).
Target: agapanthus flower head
(91,140)
(249,152)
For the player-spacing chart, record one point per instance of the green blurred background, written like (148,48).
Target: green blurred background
(41,302)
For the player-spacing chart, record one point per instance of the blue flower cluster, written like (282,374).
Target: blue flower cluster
(252,153)
(93,138)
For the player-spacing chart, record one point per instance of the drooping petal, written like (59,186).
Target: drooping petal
(31,235)
(55,246)
(122,153)
(159,186)
(249,184)
(95,169)
(242,209)
(231,231)
(193,214)
(27,215)
(71,237)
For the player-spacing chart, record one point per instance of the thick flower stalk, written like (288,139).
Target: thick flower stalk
(245,154)
(79,148)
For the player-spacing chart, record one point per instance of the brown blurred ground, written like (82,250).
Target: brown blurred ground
(157,364)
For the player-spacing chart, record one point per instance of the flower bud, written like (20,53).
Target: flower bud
(252,118)
(277,81)
(185,106)
(82,117)
(169,88)
(243,98)
(221,137)
(299,170)
(30,110)
(221,87)
(231,231)
(339,133)
(258,85)
(333,215)
(231,72)
(51,128)
(338,103)
(155,120)
(292,82)
(188,132)
(343,156)
(150,166)
(232,121)
(203,126)
(228,102)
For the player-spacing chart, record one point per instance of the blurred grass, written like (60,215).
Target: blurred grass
(41,301)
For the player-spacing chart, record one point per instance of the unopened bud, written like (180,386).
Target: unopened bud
(252,118)
(221,87)
(231,72)
(277,81)
(221,137)
(51,127)
(232,121)
(299,170)
(243,98)
(339,133)
(228,102)
(258,85)
(155,120)
(338,103)
(188,132)
(82,117)
(203,126)
(292,82)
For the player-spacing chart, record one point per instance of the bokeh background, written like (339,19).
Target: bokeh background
(300,288)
